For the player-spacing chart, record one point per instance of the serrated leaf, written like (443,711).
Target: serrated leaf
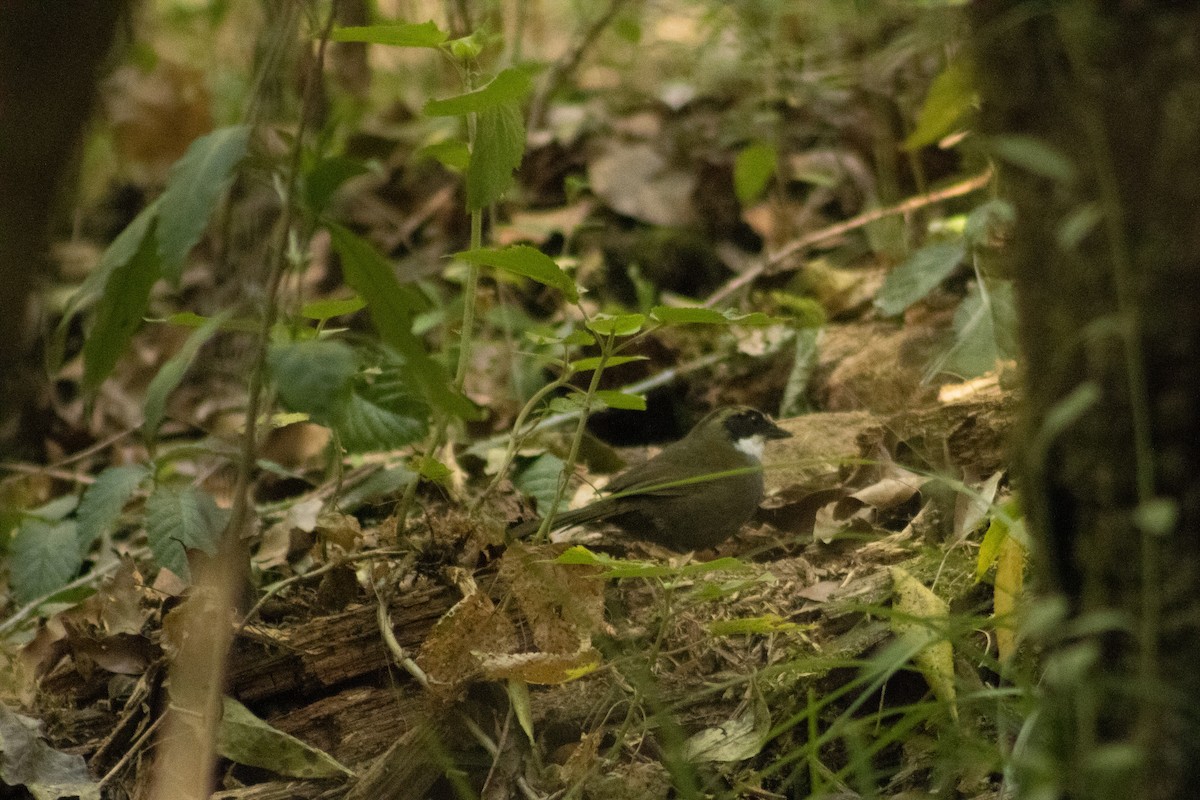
(171,373)
(245,739)
(119,312)
(391,307)
(753,168)
(526,261)
(616,324)
(984,332)
(322,310)
(499,146)
(385,413)
(179,517)
(622,400)
(920,614)
(588,364)
(919,275)
(194,185)
(540,479)
(403,34)
(325,177)
(951,97)
(313,377)
(43,556)
(103,501)
(507,88)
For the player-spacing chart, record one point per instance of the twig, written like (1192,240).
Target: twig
(384,620)
(774,260)
(569,61)
(133,750)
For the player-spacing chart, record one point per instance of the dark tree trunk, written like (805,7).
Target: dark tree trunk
(1104,99)
(50,53)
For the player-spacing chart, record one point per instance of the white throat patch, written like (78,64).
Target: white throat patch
(751,446)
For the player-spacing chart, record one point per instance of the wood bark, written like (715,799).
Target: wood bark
(1092,110)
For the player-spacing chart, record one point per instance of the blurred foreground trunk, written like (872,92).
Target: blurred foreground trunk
(1094,113)
(50,54)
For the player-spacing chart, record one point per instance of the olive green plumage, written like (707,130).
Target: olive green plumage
(694,494)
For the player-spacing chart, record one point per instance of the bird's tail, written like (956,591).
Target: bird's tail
(565,519)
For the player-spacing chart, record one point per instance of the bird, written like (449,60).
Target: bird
(693,495)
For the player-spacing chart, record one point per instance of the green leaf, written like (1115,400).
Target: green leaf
(172,372)
(103,501)
(587,364)
(499,145)
(313,377)
(688,315)
(753,168)
(385,413)
(118,254)
(194,185)
(325,177)
(322,310)
(525,261)
(1033,155)
(804,363)
(566,405)
(743,626)
(392,307)
(180,518)
(540,479)
(622,400)
(988,219)
(43,557)
(119,312)
(403,34)
(699,315)
(452,153)
(380,483)
(245,739)
(507,88)
(432,469)
(616,324)
(984,332)
(919,275)
(951,97)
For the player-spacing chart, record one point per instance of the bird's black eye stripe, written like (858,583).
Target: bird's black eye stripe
(745,424)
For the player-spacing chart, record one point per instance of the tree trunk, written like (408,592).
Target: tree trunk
(50,54)
(1093,114)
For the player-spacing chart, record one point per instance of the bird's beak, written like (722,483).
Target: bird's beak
(776,432)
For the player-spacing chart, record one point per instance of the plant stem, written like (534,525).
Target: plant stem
(606,347)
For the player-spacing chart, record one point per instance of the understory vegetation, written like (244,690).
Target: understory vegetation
(348,289)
